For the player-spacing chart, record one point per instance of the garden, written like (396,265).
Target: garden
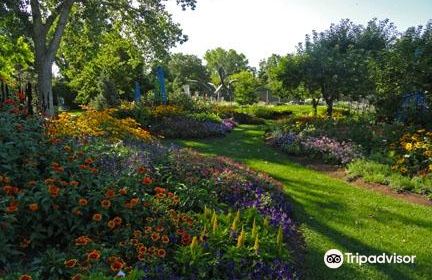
(120,158)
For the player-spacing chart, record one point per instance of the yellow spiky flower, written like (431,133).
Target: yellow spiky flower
(193,244)
(241,239)
(254,229)
(279,238)
(236,221)
(256,244)
(214,222)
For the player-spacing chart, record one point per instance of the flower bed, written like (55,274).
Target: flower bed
(67,212)
(329,149)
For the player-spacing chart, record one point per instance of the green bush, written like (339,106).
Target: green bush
(375,172)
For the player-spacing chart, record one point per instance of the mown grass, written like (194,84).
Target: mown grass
(334,214)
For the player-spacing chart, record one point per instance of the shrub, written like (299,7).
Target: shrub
(375,172)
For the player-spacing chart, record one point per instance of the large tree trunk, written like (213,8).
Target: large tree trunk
(46,49)
(44,77)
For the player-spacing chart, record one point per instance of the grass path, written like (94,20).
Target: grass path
(334,214)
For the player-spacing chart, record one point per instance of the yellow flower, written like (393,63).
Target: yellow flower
(408,147)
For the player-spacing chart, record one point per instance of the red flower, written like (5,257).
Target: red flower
(147,181)
(83,202)
(110,193)
(82,240)
(53,190)
(117,265)
(25,276)
(117,221)
(93,255)
(165,239)
(161,253)
(34,207)
(106,204)
(70,263)
(97,217)
(155,236)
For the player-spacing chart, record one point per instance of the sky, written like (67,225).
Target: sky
(259,28)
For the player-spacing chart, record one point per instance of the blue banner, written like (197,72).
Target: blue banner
(137,92)
(161,78)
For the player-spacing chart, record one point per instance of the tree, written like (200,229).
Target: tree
(245,87)
(335,65)
(187,69)
(270,78)
(13,54)
(221,64)
(46,20)
(404,68)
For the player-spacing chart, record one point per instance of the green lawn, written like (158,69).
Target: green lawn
(334,214)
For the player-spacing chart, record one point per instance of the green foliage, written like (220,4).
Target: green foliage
(187,69)
(13,54)
(375,172)
(245,87)
(229,60)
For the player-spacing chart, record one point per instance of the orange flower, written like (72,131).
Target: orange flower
(106,204)
(159,228)
(141,170)
(160,195)
(34,207)
(13,207)
(83,166)
(123,191)
(148,229)
(141,257)
(186,239)
(176,199)
(170,194)
(53,190)
(83,202)
(70,263)
(117,265)
(159,190)
(151,250)
(25,243)
(49,181)
(93,170)
(161,253)
(25,277)
(110,193)
(117,221)
(111,224)
(134,202)
(82,240)
(74,183)
(93,255)
(142,249)
(137,233)
(76,277)
(155,236)
(97,217)
(32,183)
(9,190)
(88,161)
(165,239)
(147,181)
